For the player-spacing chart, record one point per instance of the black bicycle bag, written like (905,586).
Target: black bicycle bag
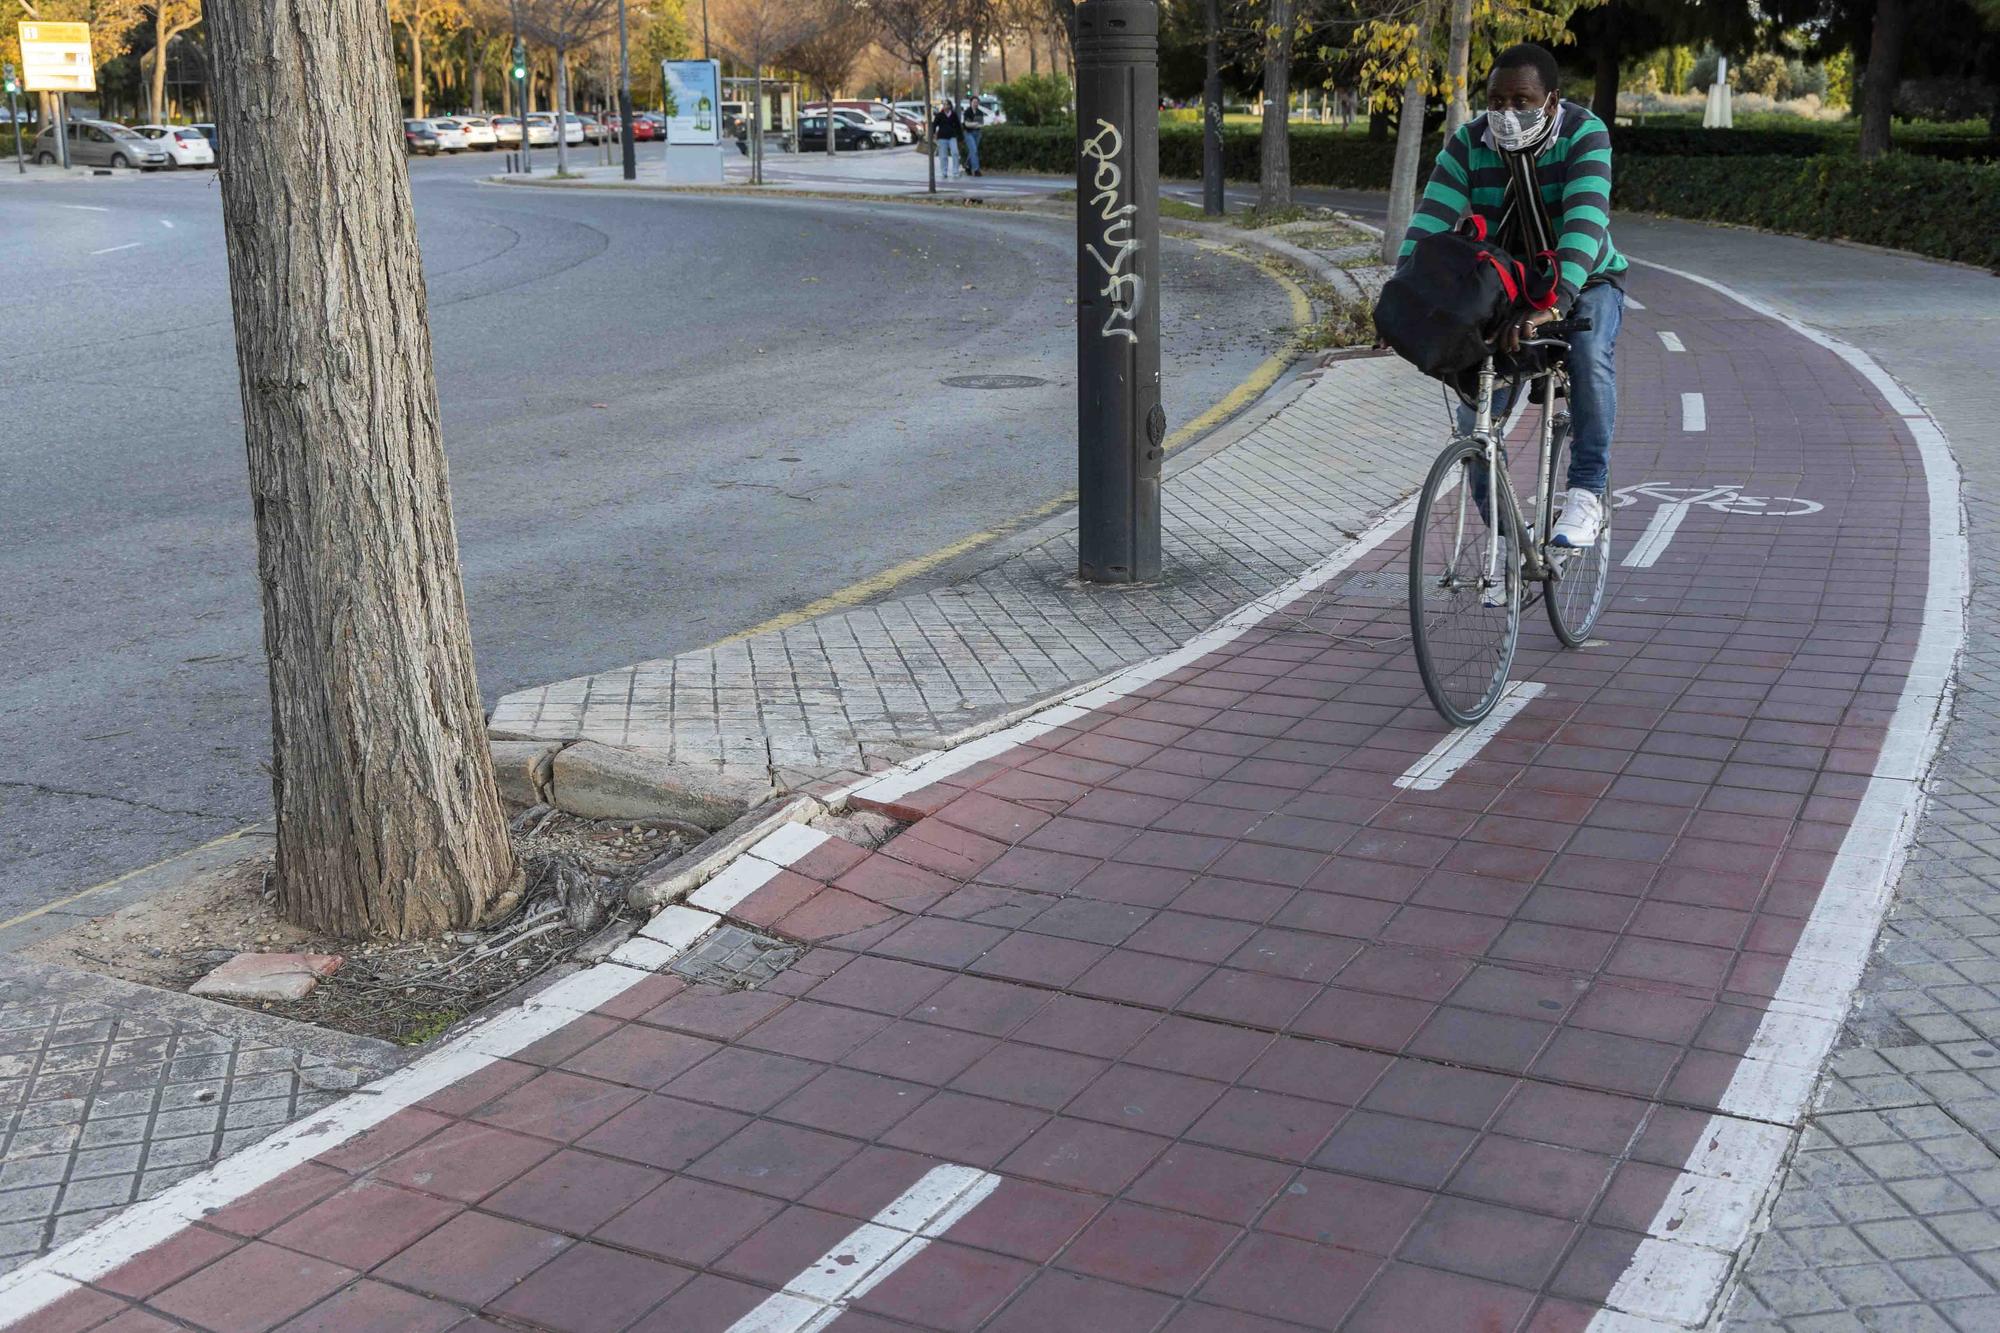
(1451,294)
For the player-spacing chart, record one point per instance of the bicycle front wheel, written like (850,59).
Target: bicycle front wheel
(1465,595)
(1578,579)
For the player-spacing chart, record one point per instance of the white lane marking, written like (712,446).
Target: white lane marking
(1633,303)
(1680,1278)
(167,224)
(85,208)
(1460,748)
(142,1226)
(114,249)
(1694,412)
(785,846)
(926,769)
(1652,543)
(877,1248)
(1672,340)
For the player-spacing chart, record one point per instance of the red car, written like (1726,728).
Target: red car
(642,128)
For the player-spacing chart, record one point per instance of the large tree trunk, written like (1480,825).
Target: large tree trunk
(1604,96)
(475,56)
(930,135)
(156,90)
(1458,108)
(1274,174)
(1885,72)
(1409,149)
(388,817)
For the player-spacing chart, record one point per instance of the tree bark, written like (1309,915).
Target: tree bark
(1885,73)
(475,56)
(1409,148)
(416,72)
(930,111)
(1458,107)
(562,111)
(1274,174)
(1213,202)
(388,817)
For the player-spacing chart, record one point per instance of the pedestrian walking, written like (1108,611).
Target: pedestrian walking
(972,124)
(946,130)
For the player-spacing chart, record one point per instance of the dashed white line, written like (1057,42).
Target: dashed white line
(1633,303)
(1672,340)
(85,208)
(167,223)
(1694,412)
(114,249)
(874,1250)
(1461,747)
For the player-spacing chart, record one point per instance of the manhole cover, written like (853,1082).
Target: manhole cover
(1387,584)
(737,958)
(993,381)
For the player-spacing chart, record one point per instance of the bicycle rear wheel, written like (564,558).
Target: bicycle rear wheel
(1575,590)
(1463,623)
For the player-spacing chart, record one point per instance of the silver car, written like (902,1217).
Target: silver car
(100,143)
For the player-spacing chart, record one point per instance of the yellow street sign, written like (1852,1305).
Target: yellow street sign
(55,58)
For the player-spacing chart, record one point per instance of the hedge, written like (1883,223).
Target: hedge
(1350,161)
(1942,209)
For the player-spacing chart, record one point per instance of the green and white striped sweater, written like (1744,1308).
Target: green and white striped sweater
(1574,174)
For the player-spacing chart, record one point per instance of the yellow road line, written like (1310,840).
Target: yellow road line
(876,585)
(130,874)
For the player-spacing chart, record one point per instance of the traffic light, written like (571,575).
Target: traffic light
(12,84)
(520,62)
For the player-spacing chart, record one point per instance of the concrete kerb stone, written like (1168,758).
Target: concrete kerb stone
(610,782)
(703,862)
(525,769)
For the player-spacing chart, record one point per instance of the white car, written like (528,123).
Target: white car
(861,120)
(478,132)
(507,131)
(572,128)
(185,145)
(541,129)
(451,135)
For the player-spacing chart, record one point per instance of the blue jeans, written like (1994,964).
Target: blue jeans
(1593,389)
(972,150)
(948,155)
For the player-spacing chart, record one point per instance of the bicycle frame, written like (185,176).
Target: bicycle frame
(1500,488)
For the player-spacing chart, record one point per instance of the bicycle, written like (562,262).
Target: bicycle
(1466,588)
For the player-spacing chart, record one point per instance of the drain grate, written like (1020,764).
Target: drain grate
(736,958)
(993,381)
(1390,585)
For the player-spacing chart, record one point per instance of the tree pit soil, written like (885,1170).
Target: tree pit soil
(572,905)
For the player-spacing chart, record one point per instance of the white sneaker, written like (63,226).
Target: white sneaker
(1582,519)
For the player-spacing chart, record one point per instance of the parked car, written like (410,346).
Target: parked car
(478,133)
(186,146)
(733,116)
(101,143)
(642,128)
(450,134)
(877,115)
(846,135)
(507,131)
(210,133)
(656,120)
(419,137)
(572,127)
(593,129)
(881,132)
(541,129)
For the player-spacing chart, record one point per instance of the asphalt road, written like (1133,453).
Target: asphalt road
(668,420)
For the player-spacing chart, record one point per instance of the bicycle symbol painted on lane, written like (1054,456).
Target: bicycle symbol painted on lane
(1675,502)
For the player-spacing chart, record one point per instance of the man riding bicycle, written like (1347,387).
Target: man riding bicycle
(1537,170)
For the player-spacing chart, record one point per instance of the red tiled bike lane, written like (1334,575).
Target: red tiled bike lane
(1188,1015)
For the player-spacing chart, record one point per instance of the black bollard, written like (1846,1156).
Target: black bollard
(1120,424)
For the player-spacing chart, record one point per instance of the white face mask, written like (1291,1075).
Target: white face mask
(1515,130)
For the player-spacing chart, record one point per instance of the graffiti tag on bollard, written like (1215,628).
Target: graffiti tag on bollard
(1122,286)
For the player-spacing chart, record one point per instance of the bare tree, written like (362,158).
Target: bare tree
(1409,138)
(388,817)
(911,30)
(826,55)
(1458,106)
(168,20)
(1274,168)
(756,32)
(564,25)
(421,19)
